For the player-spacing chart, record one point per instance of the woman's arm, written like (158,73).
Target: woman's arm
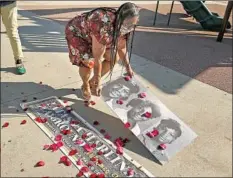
(98,51)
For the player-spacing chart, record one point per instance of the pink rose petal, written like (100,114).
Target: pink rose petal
(107,136)
(120,102)
(59,144)
(45,147)
(79,162)
(162,146)
(148,115)
(130,172)
(88,148)
(127,125)
(79,141)
(58,137)
(142,95)
(119,150)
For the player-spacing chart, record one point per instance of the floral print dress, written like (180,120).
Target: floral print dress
(78,35)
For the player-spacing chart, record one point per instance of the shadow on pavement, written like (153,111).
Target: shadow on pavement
(111,124)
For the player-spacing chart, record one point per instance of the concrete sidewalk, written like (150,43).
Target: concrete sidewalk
(207,110)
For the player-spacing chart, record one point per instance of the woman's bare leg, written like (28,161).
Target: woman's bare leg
(85,74)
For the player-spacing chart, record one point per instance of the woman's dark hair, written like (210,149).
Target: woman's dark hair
(126,10)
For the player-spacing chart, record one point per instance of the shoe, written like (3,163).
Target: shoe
(86,92)
(20,69)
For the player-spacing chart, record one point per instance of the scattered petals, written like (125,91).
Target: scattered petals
(127,125)
(149,134)
(107,136)
(46,147)
(119,150)
(93,145)
(58,137)
(84,169)
(65,101)
(120,102)
(79,162)
(96,123)
(126,140)
(67,163)
(93,175)
(101,175)
(100,161)
(74,122)
(63,159)
(155,133)
(102,131)
(68,109)
(99,152)
(23,122)
(130,172)
(40,164)
(148,115)
(53,147)
(92,103)
(84,135)
(80,174)
(73,152)
(162,146)
(59,144)
(90,164)
(6,124)
(142,95)
(88,148)
(118,142)
(43,105)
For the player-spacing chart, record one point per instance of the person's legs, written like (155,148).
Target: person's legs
(85,74)
(9,15)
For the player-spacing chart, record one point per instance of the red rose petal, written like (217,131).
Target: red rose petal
(66,132)
(148,115)
(155,133)
(45,147)
(130,172)
(58,137)
(74,122)
(127,125)
(84,135)
(53,147)
(92,102)
(118,142)
(96,123)
(6,124)
(84,169)
(120,102)
(90,164)
(93,159)
(59,144)
(119,150)
(68,109)
(162,146)
(38,119)
(142,95)
(93,145)
(73,152)
(23,122)
(102,131)
(79,141)
(44,120)
(65,101)
(43,105)
(107,136)
(63,159)
(80,174)
(93,175)
(40,163)
(127,78)
(101,175)
(99,152)
(100,161)
(79,162)
(88,148)
(149,134)
(67,163)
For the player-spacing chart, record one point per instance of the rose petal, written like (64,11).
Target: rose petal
(79,141)
(40,163)
(58,137)
(92,102)
(107,136)
(23,122)
(101,175)
(53,147)
(43,105)
(84,135)
(45,147)
(162,146)
(80,174)
(73,152)
(102,131)
(74,122)
(120,102)
(127,78)
(90,164)
(66,132)
(93,145)
(127,125)
(79,162)
(149,134)
(93,159)
(63,159)
(99,152)
(67,163)
(130,172)
(119,150)
(118,142)
(88,148)
(6,124)
(93,175)
(147,115)
(38,119)
(44,120)
(65,101)
(59,144)
(96,123)
(100,161)
(68,109)
(142,95)
(155,133)
(84,169)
